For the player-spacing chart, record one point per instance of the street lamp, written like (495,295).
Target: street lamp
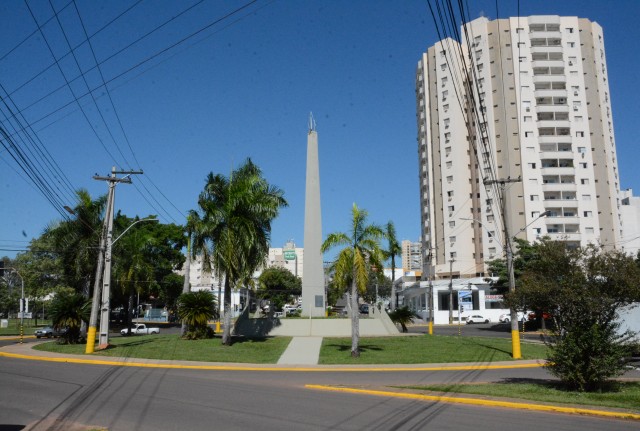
(515,335)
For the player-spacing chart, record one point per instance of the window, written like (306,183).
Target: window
(584,181)
(528,118)
(569,29)
(583,165)
(531,165)
(452,238)
(579,134)
(588,213)
(480,67)
(445,107)
(523,59)
(450,193)
(449,165)
(446,123)
(447,151)
(451,208)
(453,255)
(582,150)
(535,214)
(526,105)
(444,81)
(588,230)
(571,44)
(443,66)
(528,134)
(452,224)
(445,93)
(450,179)
(534,197)
(586,197)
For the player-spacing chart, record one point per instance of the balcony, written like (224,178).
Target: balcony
(547,63)
(555,123)
(548,92)
(557,171)
(559,187)
(550,78)
(552,108)
(554,154)
(557,236)
(553,203)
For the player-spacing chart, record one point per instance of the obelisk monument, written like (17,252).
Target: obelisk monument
(313,294)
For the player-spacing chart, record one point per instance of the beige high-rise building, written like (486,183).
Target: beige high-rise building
(538,116)
(411,255)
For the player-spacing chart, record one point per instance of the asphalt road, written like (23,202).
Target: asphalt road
(58,396)
(502,330)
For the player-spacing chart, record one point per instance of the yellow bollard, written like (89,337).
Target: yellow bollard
(218,326)
(91,340)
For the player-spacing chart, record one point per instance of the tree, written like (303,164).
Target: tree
(352,267)
(195,310)
(68,310)
(76,241)
(195,246)
(402,316)
(236,217)
(393,250)
(278,285)
(583,288)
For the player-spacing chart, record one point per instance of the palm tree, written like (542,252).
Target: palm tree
(236,217)
(361,251)
(402,316)
(77,241)
(195,246)
(68,310)
(195,310)
(393,250)
(134,271)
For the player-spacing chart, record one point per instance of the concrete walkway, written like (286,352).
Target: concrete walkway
(302,351)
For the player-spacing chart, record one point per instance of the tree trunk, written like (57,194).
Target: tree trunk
(226,333)
(186,286)
(355,321)
(393,285)
(129,310)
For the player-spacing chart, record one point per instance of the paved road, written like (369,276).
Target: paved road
(59,396)
(501,330)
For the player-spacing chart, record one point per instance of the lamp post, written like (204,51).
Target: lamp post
(451,260)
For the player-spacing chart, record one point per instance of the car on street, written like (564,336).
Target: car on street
(476,318)
(506,317)
(140,329)
(364,308)
(48,332)
(291,308)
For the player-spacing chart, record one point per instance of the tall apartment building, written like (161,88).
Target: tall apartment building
(411,255)
(541,94)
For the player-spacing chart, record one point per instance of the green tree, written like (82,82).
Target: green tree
(361,250)
(236,217)
(195,310)
(278,285)
(393,250)
(583,288)
(76,241)
(68,310)
(402,316)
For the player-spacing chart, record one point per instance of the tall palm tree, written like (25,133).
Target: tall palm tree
(393,250)
(195,246)
(236,217)
(361,251)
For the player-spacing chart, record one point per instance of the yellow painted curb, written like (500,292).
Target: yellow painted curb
(260,368)
(480,402)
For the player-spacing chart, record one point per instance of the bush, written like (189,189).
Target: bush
(198,333)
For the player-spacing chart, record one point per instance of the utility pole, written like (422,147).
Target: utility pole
(515,335)
(104,305)
(451,260)
(430,298)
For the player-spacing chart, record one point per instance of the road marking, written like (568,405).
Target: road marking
(480,402)
(360,369)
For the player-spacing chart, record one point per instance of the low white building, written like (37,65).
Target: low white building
(473,295)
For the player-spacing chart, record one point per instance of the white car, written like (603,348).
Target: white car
(506,318)
(476,318)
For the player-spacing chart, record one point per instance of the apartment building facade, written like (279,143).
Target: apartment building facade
(525,101)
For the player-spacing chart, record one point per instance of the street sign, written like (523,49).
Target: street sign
(289,255)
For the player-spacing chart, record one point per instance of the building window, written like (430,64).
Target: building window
(452,238)
(443,66)
(531,165)
(535,214)
(583,165)
(451,208)
(450,193)
(579,134)
(586,197)
(452,224)
(588,230)
(450,179)
(449,165)
(534,197)
(588,213)
(584,181)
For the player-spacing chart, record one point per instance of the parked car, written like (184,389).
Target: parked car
(49,332)
(140,329)
(506,318)
(291,308)
(364,308)
(476,318)
(533,315)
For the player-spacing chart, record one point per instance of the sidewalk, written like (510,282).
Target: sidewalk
(302,351)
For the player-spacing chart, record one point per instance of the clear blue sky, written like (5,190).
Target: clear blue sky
(244,88)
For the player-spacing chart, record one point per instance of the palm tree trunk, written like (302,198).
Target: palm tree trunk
(186,286)
(226,334)
(393,286)
(355,321)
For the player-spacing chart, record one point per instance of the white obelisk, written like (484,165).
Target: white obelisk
(313,294)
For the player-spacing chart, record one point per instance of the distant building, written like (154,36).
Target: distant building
(289,257)
(630,213)
(411,255)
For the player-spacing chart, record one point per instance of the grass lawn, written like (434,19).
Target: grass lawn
(29,326)
(172,347)
(625,395)
(424,349)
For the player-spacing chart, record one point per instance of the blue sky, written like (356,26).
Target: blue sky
(244,88)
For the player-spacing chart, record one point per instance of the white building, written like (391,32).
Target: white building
(527,101)
(630,212)
(289,257)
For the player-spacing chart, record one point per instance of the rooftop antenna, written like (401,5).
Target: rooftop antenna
(312,123)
